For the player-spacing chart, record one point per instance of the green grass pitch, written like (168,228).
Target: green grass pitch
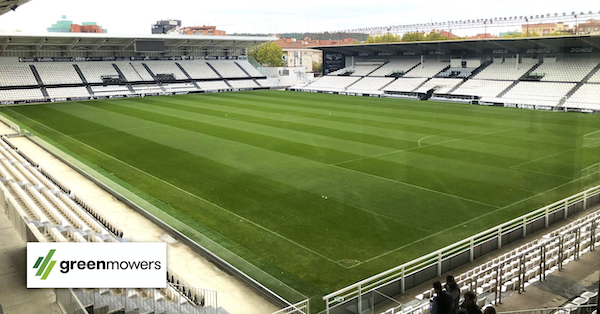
(319,190)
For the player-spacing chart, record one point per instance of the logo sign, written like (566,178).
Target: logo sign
(97,265)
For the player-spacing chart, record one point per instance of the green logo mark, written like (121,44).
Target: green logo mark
(44,264)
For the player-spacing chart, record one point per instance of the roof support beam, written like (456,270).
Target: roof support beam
(40,44)
(591,43)
(104,40)
(128,44)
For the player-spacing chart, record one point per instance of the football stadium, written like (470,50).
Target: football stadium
(404,163)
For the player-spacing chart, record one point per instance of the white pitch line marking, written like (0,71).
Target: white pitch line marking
(191,194)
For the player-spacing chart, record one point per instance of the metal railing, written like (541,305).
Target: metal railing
(69,302)
(587,308)
(301,307)
(495,237)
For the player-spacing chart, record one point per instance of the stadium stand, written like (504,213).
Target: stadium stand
(21,94)
(58,73)
(148,89)
(166,67)
(441,85)
(356,70)
(398,66)
(242,84)
(519,267)
(16,75)
(509,70)
(110,90)
(131,74)
(67,92)
(198,70)
(227,69)
(249,68)
(370,85)
(332,83)
(213,85)
(429,68)
(141,71)
(180,87)
(535,93)
(482,88)
(586,97)
(53,215)
(93,71)
(404,84)
(566,70)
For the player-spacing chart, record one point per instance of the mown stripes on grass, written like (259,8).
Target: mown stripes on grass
(325,184)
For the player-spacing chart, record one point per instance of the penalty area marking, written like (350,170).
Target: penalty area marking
(468,221)
(189,193)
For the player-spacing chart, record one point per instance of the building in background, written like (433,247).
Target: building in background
(590,27)
(545,29)
(298,54)
(66,26)
(197,30)
(164,26)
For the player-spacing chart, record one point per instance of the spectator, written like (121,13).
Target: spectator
(470,303)
(453,288)
(489,310)
(442,302)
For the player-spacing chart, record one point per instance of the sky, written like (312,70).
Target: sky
(135,17)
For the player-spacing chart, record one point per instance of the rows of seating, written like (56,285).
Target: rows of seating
(21,94)
(595,78)
(509,70)
(52,215)
(110,90)
(441,85)
(404,84)
(148,89)
(396,66)
(166,67)
(242,84)
(199,70)
(482,88)
(356,70)
(566,70)
(535,93)
(428,68)
(457,72)
(519,267)
(370,85)
(586,97)
(54,73)
(180,87)
(227,69)
(16,75)
(509,81)
(93,71)
(332,83)
(68,92)
(583,303)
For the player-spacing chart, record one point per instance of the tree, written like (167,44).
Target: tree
(386,38)
(413,37)
(317,67)
(269,55)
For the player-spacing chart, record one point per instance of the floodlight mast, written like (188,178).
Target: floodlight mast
(477,23)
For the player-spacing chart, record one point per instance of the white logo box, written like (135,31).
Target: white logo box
(97,265)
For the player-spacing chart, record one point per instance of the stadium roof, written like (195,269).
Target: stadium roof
(512,45)
(7,5)
(73,42)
